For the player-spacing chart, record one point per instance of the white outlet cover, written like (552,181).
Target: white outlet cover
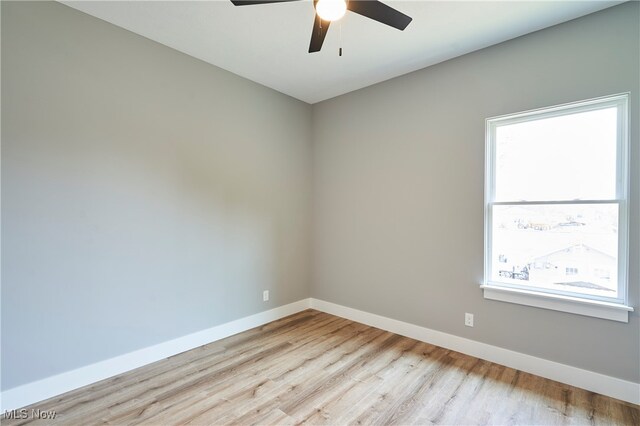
(468,319)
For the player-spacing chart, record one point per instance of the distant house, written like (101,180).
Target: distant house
(578,265)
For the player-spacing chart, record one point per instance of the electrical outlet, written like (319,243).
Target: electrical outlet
(265,295)
(468,319)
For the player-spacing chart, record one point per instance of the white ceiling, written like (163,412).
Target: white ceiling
(268,43)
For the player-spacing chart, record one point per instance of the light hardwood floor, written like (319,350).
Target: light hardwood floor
(316,368)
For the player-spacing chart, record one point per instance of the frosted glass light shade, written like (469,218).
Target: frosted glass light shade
(331,10)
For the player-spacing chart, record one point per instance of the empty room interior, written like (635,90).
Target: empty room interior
(320,212)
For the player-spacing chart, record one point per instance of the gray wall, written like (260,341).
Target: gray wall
(398,189)
(145,194)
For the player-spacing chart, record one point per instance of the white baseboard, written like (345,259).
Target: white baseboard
(585,379)
(64,382)
(55,385)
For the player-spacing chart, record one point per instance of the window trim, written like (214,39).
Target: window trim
(556,302)
(608,308)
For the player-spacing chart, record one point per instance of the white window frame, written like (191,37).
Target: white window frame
(616,309)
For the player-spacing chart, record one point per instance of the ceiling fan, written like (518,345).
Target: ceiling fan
(328,11)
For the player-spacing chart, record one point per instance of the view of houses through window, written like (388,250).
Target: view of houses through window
(564,247)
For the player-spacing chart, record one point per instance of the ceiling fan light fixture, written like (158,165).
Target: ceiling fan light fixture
(331,10)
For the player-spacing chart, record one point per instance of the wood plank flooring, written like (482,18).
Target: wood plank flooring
(315,368)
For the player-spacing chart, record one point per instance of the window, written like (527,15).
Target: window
(556,208)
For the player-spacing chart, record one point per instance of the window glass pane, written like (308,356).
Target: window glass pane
(564,247)
(570,157)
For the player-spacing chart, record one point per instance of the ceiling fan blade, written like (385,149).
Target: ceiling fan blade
(251,2)
(380,12)
(320,28)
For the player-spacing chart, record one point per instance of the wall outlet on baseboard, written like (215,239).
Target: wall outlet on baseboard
(265,295)
(468,319)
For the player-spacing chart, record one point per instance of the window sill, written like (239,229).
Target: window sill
(591,308)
